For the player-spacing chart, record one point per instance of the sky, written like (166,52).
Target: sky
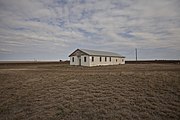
(52,29)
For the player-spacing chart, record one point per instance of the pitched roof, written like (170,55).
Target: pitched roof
(99,53)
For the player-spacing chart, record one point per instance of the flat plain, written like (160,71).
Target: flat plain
(60,91)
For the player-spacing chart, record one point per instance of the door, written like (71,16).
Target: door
(79,60)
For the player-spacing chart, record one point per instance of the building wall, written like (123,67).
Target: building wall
(76,60)
(83,63)
(79,60)
(113,61)
(96,61)
(122,60)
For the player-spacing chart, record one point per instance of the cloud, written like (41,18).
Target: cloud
(57,27)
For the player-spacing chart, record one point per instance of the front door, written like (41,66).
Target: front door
(79,60)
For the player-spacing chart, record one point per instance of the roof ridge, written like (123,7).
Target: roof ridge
(98,50)
(100,53)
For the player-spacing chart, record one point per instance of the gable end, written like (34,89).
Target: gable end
(78,52)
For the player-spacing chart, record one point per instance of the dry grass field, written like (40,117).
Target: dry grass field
(61,91)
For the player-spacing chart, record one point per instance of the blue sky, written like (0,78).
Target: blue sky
(52,29)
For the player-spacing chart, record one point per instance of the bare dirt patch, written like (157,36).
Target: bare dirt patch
(60,91)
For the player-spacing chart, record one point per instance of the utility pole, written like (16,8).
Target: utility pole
(136,54)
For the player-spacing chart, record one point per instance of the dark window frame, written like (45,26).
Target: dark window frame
(85,59)
(92,58)
(105,59)
(100,59)
(110,59)
(72,59)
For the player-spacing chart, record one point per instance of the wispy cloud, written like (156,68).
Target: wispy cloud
(54,28)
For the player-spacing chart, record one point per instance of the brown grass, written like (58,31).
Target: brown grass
(60,91)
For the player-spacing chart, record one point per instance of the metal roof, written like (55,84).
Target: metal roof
(100,53)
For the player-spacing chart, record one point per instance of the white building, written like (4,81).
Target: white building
(86,57)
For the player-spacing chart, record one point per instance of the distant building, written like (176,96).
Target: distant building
(84,57)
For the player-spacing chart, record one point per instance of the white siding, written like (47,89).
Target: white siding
(83,63)
(76,60)
(96,61)
(113,61)
(122,60)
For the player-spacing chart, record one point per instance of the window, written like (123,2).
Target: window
(72,59)
(116,60)
(122,60)
(84,59)
(105,59)
(110,59)
(100,59)
(92,59)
